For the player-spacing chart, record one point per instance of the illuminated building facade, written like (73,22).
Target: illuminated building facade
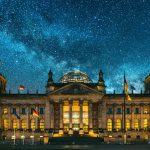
(75,105)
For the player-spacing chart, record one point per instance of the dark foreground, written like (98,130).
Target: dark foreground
(68,143)
(68,147)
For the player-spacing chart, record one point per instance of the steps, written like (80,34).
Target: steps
(75,140)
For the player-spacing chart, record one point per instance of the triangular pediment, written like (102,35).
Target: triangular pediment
(75,88)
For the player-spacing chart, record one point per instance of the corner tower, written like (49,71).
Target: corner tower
(3,82)
(101,83)
(147,84)
(50,83)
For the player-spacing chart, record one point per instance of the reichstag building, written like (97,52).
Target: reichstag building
(74,105)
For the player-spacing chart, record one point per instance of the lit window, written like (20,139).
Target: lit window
(85,116)
(5,123)
(65,114)
(5,110)
(118,124)
(75,113)
(42,124)
(136,124)
(127,124)
(145,111)
(109,125)
(23,124)
(145,125)
(32,124)
(15,124)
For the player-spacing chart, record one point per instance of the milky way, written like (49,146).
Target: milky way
(66,35)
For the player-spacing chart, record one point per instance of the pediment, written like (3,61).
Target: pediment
(75,89)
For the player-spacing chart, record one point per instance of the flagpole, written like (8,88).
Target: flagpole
(32,136)
(14,137)
(124,115)
(23,137)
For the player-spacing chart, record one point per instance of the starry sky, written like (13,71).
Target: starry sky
(67,35)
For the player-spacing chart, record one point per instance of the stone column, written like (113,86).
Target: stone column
(81,115)
(9,117)
(1,113)
(114,117)
(61,115)
(70,114)
(141,123)
(132,116)
(99,116)
(90,117)
(19,120)
(52,115)
(47,113)
(28,117)
(37,119)
(61,119)
(148,115)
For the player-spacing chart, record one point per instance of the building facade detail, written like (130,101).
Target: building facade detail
(75,105)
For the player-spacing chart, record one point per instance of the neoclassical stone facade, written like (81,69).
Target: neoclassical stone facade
(75,105)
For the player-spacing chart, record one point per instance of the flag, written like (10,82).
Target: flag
(35,113)
(126,88)
(22,87)
(132,87)
(16,114)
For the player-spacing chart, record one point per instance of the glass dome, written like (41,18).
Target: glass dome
(75,76)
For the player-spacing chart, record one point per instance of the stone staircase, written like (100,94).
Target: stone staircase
(75,140)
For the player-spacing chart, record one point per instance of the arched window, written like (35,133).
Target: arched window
(5,110)
(145,123)
(145,111)
(109,125)
(32,123)
(5,123)
(15,124)
(23,124)
(136,124)
(127,124)
(42,124)
(118,124)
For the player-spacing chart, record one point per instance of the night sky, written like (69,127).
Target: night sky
(67,35)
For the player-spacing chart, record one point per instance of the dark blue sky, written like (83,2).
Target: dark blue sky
(66,35)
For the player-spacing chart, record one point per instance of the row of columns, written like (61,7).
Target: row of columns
(81,115)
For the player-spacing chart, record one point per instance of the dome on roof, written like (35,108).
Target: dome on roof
(75,76)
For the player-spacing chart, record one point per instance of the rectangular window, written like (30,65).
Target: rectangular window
(41,110)
(13,110)
(23,111)
(136,111)
(127,110)
(109,111)
(119,111)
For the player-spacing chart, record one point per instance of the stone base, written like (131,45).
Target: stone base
(70,131)
(81,132)
(61,132)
